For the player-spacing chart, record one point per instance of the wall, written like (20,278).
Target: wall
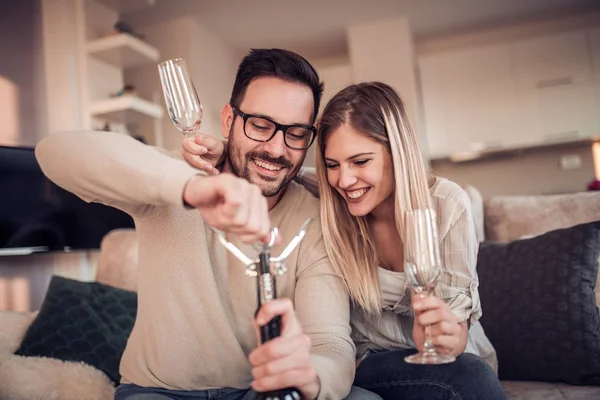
(526,174)
(24,279)
(531,173)
(336,73)
(41,61)
(384,51)
(22,105)
(212,67)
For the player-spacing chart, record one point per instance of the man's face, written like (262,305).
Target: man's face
(269,165)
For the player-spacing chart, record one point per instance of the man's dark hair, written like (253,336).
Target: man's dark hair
(277,63)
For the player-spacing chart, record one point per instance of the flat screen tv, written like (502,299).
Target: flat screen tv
(37,216)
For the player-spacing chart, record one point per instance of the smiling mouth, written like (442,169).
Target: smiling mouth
(357,194)
(268,166)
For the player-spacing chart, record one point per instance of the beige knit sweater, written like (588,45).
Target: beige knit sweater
(195,304)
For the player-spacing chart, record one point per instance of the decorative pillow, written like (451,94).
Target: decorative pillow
(82,321)
(539,308)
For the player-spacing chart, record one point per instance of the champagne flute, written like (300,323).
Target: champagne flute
(422,264)
(181,98)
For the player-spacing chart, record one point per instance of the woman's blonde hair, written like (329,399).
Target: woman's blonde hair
(375,110)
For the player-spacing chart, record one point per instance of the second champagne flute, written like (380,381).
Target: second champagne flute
(422,265)
(181,98)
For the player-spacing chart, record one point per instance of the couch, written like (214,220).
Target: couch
(28,378)
(497,219)
(510,218)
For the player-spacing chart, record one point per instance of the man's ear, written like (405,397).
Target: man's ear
(226,120)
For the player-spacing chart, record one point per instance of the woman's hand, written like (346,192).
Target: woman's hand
(203,152)
(448,334)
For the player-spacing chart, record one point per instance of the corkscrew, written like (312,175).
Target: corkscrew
(265,269)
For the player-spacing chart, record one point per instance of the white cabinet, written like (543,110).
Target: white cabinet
(515,94)
(469,100)
(558,114)
(594,42)
(550,61)
(556,95)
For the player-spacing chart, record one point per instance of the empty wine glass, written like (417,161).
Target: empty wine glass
(183,105)
(422,265)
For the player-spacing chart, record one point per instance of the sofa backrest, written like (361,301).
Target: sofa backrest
(508,218)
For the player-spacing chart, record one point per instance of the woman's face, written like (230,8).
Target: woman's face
(360,169)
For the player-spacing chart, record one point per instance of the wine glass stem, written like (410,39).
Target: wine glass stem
(428,345)
(191,135)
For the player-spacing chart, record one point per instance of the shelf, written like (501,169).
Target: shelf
(122,50)
(22,251)
(125,6)
(125,109)
(474,156)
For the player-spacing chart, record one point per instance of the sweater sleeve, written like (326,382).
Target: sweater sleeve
(113,169)
(323,308)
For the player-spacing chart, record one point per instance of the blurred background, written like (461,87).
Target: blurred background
(505,94)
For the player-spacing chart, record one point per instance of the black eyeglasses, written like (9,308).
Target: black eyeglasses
(261,129)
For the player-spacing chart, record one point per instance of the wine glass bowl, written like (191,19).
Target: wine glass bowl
(422,282)
(183,105)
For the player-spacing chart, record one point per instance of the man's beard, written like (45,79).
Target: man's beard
(269,186)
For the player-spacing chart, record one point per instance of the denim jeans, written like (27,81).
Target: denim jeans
(133,392)
(468,378)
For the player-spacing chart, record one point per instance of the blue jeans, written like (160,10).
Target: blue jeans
(468,378)
(133,392)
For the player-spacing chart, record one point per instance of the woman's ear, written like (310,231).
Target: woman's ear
(226,120)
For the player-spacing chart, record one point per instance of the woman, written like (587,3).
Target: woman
(370,170)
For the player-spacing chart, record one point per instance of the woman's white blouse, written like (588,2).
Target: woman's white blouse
(457,285)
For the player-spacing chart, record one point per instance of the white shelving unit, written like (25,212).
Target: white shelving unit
(125,109)
(123,6)
(107,55)
(122,50)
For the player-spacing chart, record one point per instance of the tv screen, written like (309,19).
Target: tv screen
(37,215)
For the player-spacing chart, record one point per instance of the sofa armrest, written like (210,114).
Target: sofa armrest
(13,326)
(118,261)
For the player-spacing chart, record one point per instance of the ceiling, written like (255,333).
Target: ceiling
(316,28)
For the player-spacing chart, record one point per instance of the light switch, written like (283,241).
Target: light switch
(570,161)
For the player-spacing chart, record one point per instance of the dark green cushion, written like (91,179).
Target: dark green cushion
(82,321)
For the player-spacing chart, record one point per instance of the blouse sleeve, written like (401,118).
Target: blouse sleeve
(458,284)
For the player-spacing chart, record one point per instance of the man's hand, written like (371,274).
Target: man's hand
(448,334)
(203,152)
(283,362)
(231,204)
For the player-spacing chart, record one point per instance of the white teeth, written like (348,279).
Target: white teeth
(268,166)
(357,193)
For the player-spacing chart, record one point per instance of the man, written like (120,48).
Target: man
(194,335)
